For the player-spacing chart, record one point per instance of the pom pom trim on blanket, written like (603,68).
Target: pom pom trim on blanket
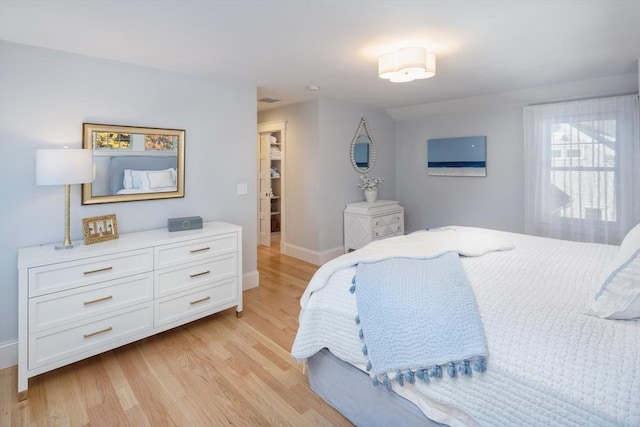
(453,368)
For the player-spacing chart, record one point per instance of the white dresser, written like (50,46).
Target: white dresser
(365,222)
(79,302)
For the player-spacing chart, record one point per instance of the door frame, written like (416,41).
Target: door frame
(275,126)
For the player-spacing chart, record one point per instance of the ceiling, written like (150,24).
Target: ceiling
(482,46)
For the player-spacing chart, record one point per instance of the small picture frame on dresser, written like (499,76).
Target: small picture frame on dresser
(99,229)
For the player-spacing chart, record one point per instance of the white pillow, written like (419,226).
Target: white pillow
(618,294)
(127,181)
(140,179)
(160,179)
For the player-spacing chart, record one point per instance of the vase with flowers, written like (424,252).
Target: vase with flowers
(370,187)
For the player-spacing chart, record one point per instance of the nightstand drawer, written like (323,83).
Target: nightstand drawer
(386,231)
(176,279)
(59,308)
(66,275)
(77,339)
(194,250)
(182,305)
(365,222)
(386,220)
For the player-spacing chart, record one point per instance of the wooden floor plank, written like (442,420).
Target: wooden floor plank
(215,371)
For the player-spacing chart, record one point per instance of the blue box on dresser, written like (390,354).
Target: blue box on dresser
(184,223)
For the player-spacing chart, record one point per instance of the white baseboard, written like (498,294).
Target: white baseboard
(250,280)
(8,354)
(330,254)
(314,257)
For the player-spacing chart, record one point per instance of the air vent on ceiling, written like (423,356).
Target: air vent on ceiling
(269,100)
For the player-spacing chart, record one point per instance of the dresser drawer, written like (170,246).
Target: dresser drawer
(65,275)
(176,279)
(194,250)
(80,338)
(186,304)
(82,302)
(59,308)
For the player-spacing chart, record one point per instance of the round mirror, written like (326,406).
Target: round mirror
(363,149)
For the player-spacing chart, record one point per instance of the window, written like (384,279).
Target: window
(160,142)
(582,169)
(585,174)
(112,141)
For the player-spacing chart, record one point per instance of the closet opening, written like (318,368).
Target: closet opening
(271,184)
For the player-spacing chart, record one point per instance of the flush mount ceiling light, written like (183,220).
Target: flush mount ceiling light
(407,64)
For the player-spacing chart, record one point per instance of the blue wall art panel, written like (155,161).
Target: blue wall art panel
(465,156)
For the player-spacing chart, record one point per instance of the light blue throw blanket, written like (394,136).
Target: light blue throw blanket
(418,319)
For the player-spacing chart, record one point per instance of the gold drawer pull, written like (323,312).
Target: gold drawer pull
(193,251)
(200,274)
(102,331)
(200,300)
(98,270)
(98,300)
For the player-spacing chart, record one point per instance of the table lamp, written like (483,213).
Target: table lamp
(64,166)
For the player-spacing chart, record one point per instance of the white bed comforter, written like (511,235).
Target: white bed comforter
(549,364)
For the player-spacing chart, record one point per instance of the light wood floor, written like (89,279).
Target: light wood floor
(213,372)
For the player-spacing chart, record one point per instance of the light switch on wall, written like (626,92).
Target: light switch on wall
(242,189)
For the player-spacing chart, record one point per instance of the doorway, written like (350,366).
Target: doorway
(271,184)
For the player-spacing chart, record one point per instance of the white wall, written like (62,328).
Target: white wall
(45,97)
(494,201)
(301,171)
(338,124)
(319,177)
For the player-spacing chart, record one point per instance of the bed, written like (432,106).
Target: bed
(142,174)
(552,357)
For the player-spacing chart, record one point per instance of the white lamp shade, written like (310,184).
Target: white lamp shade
(61,166)
(407,64)
(388,65)
(430,67)
(412,59)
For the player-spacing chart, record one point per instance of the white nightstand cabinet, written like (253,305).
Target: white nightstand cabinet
(365,222)
(76,303)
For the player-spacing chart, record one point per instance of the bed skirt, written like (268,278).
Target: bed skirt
(349,391)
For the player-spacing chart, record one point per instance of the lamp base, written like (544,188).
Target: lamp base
(66,243)
(63,246)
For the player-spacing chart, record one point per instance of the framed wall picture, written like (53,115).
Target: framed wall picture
(465,156)
(99,229)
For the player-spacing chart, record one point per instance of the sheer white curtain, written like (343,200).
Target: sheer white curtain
(582,169)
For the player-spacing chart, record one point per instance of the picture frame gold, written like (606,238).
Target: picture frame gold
(99,229)
(142,150)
